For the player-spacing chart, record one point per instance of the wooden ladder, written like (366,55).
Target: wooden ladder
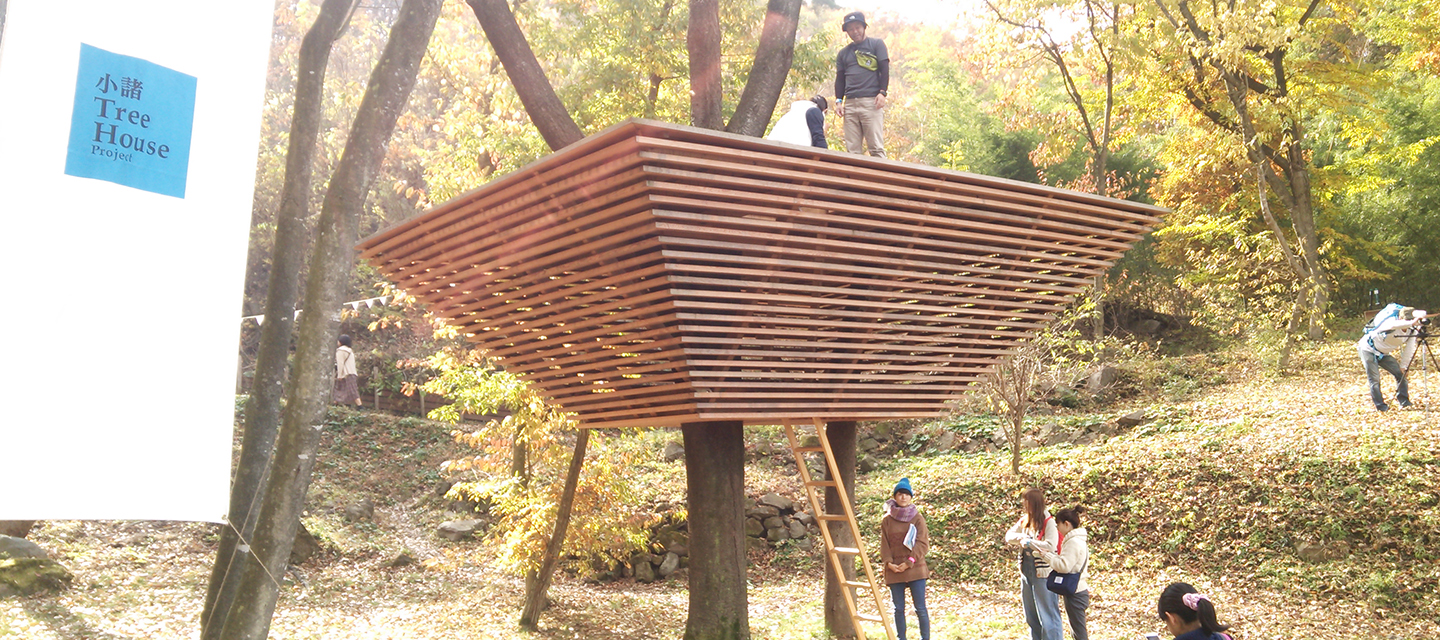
(833,553)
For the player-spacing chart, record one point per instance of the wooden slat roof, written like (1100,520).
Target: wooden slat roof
(655,274)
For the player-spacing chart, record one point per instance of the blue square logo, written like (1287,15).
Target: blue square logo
(132,123)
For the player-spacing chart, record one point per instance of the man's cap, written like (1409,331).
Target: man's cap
(853,16)
(821,102)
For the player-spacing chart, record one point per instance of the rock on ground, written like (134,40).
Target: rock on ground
(25,576)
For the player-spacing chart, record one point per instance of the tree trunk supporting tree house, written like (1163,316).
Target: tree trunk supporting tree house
(841,435)
(715,483)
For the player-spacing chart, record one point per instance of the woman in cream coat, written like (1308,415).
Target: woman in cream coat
(1074,555)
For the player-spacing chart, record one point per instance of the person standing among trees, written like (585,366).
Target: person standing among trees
(1073,556)
(903,543)
(347,381)
(1042,609)
(862,85)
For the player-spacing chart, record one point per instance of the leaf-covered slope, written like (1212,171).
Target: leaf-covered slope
(1237,486)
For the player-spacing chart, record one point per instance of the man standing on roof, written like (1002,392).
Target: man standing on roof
(862,82)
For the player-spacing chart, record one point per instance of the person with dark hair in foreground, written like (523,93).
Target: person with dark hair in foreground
(1189,614)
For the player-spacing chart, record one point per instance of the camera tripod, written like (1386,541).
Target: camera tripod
(1426,355)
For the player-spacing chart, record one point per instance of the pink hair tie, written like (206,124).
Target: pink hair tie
(1192,600)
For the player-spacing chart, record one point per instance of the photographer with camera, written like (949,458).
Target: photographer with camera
(1390,331)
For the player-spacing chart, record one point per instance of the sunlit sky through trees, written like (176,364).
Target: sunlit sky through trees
(963,15)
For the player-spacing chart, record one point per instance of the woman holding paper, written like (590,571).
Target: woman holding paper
(903,543)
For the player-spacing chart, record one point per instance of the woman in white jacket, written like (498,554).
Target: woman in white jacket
(1074,555)
(1042,611)
(803,124)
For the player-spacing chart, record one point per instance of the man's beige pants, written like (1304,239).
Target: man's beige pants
(864,122)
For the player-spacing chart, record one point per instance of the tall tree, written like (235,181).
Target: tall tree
(1231,63)
(1082,58)
(544,107)
(715,487)
(262,412)
(773,57)
(702,41)
(1093,45)
(311,379)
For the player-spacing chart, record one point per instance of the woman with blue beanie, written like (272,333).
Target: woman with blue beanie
(903,543)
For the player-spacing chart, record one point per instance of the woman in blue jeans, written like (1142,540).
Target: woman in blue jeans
(903,543)
(1042,609)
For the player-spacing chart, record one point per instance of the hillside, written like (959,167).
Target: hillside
(1233,473)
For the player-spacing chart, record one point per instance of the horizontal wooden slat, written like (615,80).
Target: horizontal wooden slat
(1038,209)
(970,238)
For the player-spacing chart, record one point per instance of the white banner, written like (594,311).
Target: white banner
(128,136)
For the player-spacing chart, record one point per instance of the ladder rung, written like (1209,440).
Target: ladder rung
(847,551)
(869,617)
(807,449)
(853,583)
(821,483)
(837,517)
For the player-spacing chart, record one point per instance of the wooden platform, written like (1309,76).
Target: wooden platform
(654,274)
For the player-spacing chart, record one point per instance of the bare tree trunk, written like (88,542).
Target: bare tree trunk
(543,106)
(652,96)
(311,379)
(518,457)
(1098,320)
(702,40)
(1017,424)
(715,481)
(1011,388)
(262,413)
(1292,328)
(1302,217)
(537,583)
(773,57)
(837,616)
